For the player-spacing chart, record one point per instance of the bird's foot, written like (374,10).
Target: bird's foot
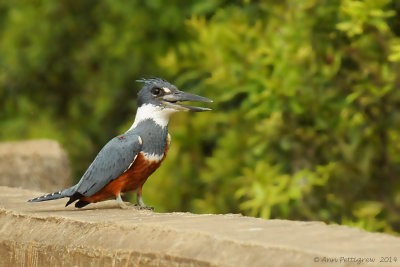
(144,207)
(141,204)
(123,205)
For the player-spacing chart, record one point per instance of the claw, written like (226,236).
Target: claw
(146,208)
(140,202)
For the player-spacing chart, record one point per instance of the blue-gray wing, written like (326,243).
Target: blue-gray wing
(112,161)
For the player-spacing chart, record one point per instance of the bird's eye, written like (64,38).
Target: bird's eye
(156,91)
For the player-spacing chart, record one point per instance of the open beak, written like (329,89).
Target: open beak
(171,100)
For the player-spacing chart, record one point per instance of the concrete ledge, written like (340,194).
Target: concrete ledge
(47,234)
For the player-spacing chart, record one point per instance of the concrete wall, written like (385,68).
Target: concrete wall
(35,164)
(48,234)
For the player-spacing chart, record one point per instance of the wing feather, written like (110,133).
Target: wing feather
(112,161)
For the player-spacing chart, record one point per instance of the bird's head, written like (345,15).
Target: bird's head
(158,99)
(164,95)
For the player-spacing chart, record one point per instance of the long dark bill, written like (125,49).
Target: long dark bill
(172,99)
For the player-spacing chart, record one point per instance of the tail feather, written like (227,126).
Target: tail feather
(81,204)
(73,198)
(55,195)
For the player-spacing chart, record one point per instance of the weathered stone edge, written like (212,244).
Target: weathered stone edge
(29,249)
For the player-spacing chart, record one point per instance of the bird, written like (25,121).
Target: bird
(127,160)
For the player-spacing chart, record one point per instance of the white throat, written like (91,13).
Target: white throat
(158,114)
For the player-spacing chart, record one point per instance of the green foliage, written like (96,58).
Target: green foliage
(305,120)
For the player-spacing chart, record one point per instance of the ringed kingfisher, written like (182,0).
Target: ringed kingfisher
(127,160)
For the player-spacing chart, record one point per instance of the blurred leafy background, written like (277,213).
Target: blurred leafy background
(306,113)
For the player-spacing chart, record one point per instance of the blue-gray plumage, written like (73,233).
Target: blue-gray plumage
(110,163)
(126,161)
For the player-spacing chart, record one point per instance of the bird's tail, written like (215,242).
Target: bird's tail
(56,195)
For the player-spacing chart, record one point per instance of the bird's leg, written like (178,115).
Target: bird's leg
(121,203)
(140,200)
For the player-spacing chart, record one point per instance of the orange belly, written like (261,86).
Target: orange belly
(132,179)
